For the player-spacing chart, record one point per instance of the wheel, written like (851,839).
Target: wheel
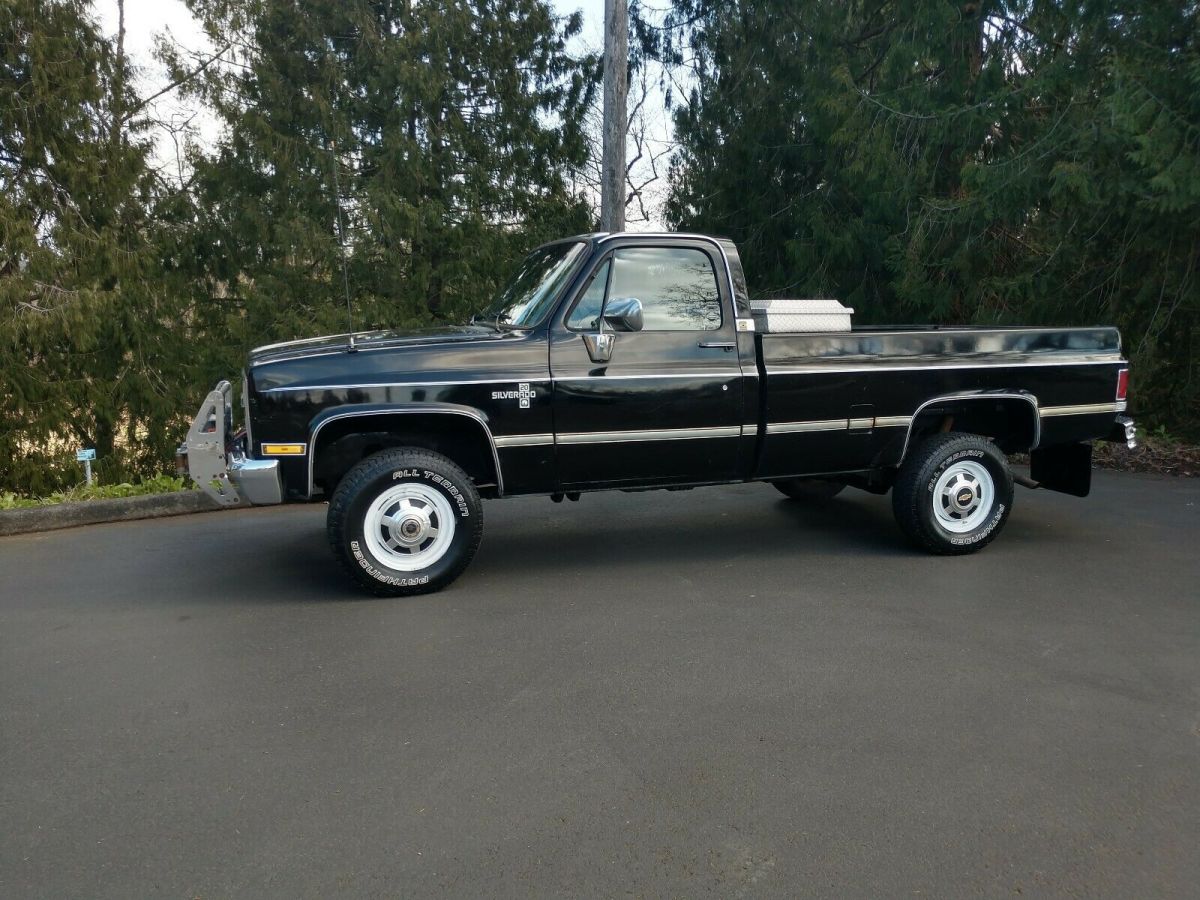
(953,494)
(809,488)
(405,521)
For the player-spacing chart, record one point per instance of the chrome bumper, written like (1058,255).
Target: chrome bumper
(1124,432)
(218,465)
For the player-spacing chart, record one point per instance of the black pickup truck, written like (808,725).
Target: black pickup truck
(635,361)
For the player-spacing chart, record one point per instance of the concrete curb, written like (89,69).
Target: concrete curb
(92,512)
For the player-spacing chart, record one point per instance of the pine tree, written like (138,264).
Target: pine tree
(440,132)
(975,161)
(82,332)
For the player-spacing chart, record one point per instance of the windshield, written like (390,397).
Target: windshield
(529,294)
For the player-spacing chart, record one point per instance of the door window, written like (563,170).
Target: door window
(677,287)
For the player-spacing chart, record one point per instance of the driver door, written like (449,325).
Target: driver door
(665,405)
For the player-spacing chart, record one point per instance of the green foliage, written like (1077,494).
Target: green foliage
(160,484)
(442,132)
(971,162)
(84,327)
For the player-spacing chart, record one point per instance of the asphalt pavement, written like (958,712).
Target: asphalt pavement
(712,693)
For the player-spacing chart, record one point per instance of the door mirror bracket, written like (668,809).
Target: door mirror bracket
(599,346)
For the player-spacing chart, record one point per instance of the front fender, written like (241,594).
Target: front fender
(377,410)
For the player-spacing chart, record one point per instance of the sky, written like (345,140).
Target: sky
(146,19)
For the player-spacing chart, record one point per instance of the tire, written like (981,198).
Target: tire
(389,517)
(953,494)
(809,488)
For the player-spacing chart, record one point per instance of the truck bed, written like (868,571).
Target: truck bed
(849,398)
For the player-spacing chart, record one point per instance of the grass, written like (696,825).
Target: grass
(160,484)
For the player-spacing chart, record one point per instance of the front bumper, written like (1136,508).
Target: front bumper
(218,462)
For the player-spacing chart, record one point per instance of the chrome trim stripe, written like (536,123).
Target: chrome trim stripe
(859,424)
(667,434)
(727,375)
(1086,409)
(836,369)
(799,427)
(730,375)
(892,421)
(388,384)
(523,440)
(312,457)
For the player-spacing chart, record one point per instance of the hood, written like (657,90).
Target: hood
(373,340)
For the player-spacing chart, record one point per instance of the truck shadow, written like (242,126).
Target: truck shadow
(526,539)
(784,529)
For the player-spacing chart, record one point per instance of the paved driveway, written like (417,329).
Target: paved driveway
(710,693)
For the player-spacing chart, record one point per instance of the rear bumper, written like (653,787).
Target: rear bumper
(1123,432)
(218,462)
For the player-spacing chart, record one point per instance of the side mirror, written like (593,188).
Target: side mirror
(624,314)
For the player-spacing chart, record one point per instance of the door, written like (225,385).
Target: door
(665,406)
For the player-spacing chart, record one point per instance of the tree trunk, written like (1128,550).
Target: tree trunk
(616,92)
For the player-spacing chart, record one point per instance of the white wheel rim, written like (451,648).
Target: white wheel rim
(409,527)
(963,497)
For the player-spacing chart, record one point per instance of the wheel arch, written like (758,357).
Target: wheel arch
(1011,418)
(341,437)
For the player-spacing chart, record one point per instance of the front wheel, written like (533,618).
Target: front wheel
(405,521)
(953,494)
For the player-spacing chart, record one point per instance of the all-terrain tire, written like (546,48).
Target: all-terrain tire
(405,521)
(953,493)
(809,488)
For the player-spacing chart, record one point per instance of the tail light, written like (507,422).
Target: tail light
(1122,384)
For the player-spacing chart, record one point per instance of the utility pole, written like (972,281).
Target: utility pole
(616,122)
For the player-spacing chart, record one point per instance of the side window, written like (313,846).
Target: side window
(677,287)
(586,314)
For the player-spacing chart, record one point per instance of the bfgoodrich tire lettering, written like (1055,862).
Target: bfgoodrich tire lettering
(405,521)
(953,494)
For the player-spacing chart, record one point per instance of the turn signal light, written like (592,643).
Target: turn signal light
(283,449)
(1122,384)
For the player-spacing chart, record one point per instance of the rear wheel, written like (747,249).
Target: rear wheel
(953,494)
(809,488)
(405,521)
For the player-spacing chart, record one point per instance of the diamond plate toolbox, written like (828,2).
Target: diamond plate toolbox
(779,316)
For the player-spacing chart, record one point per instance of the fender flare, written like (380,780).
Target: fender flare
(333,414)
(976,395)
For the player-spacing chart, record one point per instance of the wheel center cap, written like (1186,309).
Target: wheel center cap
(411,529)
(964,497)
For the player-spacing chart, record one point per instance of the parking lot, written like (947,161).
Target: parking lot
(716,692)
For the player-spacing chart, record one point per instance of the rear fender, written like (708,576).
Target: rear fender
(1010,418)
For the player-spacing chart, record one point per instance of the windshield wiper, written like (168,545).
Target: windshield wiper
(478,320)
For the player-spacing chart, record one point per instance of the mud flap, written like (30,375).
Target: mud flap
(1066,468)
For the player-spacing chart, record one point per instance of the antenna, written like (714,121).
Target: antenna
(337,198)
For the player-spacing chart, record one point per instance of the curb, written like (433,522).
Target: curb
(93,512)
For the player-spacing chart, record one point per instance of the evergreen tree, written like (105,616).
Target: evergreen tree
(440,133)
(83,333)
(980,161)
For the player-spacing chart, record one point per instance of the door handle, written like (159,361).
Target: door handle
(727,346)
